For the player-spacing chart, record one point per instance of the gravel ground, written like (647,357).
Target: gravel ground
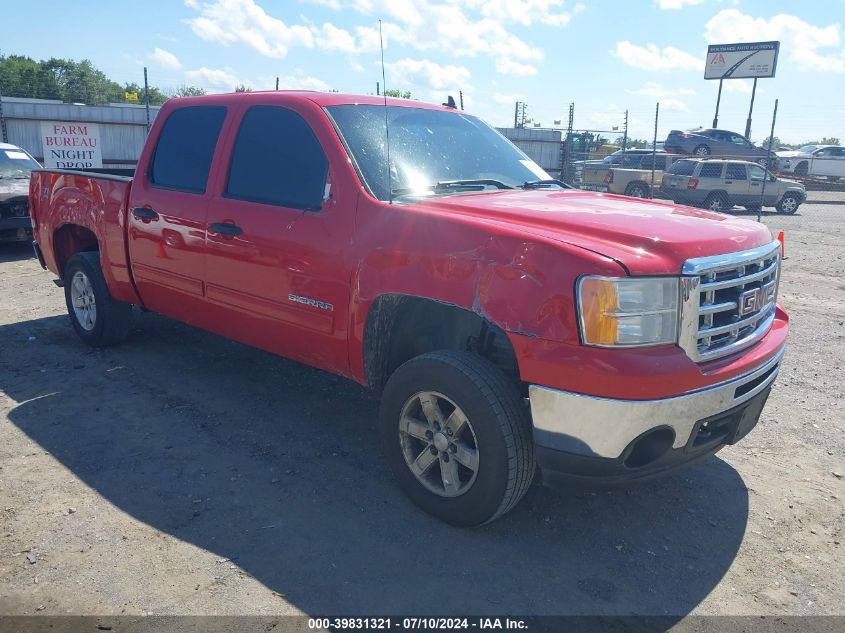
(180,473)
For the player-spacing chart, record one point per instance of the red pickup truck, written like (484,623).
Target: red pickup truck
(514,327)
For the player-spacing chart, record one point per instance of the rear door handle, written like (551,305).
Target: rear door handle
(224,228)
(144,213)
(729,182)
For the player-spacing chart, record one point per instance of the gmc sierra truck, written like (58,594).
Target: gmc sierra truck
(514,327)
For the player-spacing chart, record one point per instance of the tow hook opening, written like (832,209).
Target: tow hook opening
(649,447)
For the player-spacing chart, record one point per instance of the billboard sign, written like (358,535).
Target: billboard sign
(71,145)
(741,61)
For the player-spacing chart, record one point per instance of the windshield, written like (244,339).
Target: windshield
(427,147)
(808,149)
(15,163)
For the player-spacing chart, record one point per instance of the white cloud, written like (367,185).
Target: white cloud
(801,42)
(213,79)
(244,22)
(164,58)
(424,73)
(290,82)
(737,85)
(675,4)
(675,105)
(508,99)
(457,27)
(650,57)
(505,66)
(659,91)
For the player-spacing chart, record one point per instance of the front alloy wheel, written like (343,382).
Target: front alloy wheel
(438,444)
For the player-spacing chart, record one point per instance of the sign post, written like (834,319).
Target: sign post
(752,60)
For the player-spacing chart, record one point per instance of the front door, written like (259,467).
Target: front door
(757,176)
(167,212)
(277,275)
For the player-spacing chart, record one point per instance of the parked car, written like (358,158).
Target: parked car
(508,322)
(629,181)
(721,143)
(814,160)
(718,185)
(620,158)
(15,167)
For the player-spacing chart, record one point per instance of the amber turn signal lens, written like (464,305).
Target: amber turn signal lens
(599,300)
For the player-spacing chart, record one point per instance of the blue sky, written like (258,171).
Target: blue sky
(604,56)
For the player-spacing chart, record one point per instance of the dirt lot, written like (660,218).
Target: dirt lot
(180,473)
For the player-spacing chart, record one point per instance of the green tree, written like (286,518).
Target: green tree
(187,91)
(242,88)
(399,94)
(24,77)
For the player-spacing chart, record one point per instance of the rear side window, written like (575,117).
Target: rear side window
(659,162)
(277,160)
(735,172)
(711,170)
(682,168)
(185,148)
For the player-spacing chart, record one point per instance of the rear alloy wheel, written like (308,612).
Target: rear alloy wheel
(636,191)
(457,436)
(701,150)
(717,202)
(98,319)
(788,204)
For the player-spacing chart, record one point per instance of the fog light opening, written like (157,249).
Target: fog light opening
(649,448)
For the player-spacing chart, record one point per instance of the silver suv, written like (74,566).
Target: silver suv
(720,184)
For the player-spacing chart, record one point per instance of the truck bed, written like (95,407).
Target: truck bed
(96,206)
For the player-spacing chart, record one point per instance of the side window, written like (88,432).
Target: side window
(277,160)
(738,140)
(735,171)
(185,148)
(757,173)
(711,170)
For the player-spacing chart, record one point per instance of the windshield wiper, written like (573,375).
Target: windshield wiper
(537,184)
(477,184)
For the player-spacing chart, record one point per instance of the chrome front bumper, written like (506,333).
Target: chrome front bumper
(603,427)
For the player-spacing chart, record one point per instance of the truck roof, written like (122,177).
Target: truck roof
(322,99)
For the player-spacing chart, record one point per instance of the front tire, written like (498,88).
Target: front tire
(788,204)
(717,201)
(457,436)
(98,319)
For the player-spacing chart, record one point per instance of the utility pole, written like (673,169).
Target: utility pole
(378,89)
(277,83)
(654,150)
(461,95)
(147,98)
(3,135)
(625,134)
(566,158)
(768,160)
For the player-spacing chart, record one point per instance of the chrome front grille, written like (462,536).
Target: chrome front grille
(728,301)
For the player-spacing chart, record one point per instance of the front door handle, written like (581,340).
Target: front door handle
(144,213)
(224,228)
(729,182)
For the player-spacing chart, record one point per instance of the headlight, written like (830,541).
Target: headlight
(628,312)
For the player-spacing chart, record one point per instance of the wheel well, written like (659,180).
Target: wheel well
(401,327)
(71,239)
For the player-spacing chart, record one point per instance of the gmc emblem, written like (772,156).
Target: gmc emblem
(750,301)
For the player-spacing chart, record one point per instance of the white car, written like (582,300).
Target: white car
(814,160)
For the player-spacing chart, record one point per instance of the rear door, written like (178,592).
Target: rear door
(167,210)
(279,225)
(829,161)
(737,184)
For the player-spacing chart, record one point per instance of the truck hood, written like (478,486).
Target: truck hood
(645,236)
(13,188)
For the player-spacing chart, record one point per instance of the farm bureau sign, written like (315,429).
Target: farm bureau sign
(71,145)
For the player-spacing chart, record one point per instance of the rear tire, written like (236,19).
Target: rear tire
(788,204)
(98,319)
(801,169)
(701,150)
(461,425)
(717,201)
(636,191)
